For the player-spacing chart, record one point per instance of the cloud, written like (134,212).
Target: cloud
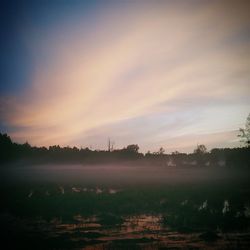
(187,143)
(152,60)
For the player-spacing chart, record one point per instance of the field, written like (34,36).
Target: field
(124,207)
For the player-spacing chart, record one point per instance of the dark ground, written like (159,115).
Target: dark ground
(124,207)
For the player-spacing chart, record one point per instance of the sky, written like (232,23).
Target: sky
(169,74)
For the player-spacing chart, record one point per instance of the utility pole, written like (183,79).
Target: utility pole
(109,144)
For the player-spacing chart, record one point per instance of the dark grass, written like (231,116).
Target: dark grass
(168,200)
(176,202)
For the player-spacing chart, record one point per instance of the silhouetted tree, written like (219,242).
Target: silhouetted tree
(133,148)
(201,149)
(245,132)
(175,152)
(200,155)
(5,140)
(10,151)
(161,151)
(6,147)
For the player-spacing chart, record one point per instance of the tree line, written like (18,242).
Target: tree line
(229,157)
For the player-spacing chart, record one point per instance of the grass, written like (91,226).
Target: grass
(29,209)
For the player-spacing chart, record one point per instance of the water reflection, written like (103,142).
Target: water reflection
(142,231)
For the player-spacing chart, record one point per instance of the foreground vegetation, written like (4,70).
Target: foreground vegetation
(68,216)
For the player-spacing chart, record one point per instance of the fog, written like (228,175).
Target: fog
(118,174)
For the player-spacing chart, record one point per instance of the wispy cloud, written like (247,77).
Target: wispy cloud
(154,65)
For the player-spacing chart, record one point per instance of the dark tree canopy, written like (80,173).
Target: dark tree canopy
(201,149)
(14,152)
(133,148)
(161,151)
(245,133)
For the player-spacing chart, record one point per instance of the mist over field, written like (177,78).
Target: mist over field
(124,174)
(74,206)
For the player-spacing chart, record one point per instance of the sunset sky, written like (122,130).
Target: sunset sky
(156,73)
